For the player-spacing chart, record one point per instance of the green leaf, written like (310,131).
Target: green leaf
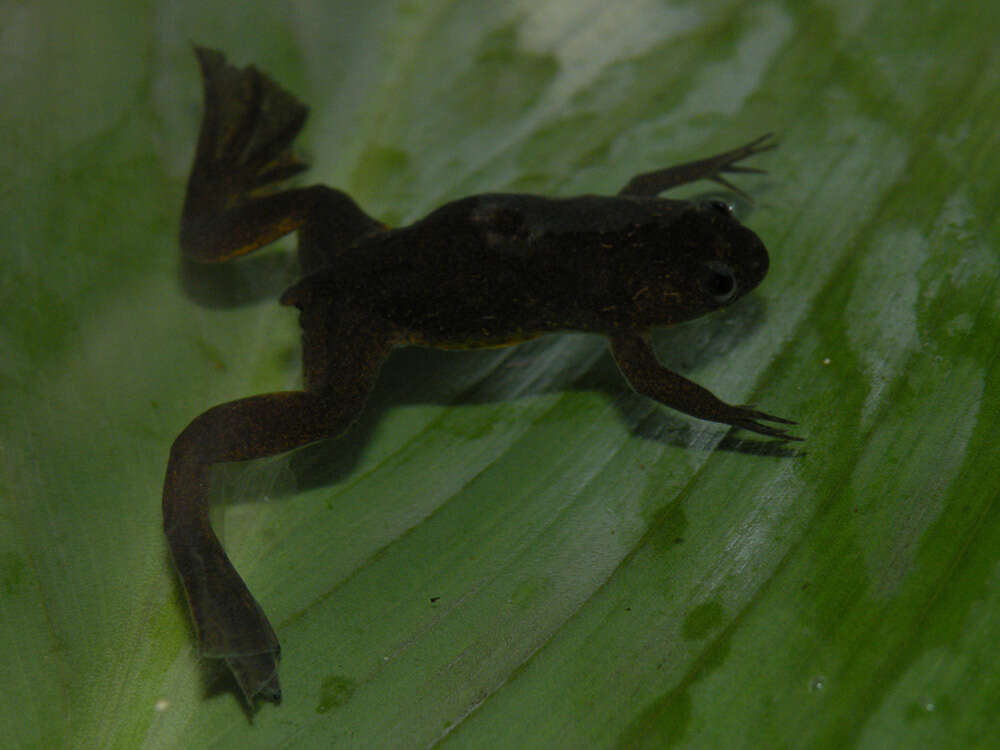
(510,549)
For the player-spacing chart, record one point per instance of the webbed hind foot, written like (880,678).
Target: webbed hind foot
(244,148)
(247,128)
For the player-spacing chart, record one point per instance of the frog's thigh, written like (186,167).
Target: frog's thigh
(265,425)
(334,223)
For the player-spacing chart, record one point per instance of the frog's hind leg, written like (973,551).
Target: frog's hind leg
(712,168)
(232,205)
(341,368)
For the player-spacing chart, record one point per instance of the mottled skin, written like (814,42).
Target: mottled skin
(488,270)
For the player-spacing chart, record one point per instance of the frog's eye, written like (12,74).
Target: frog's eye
(719,206)
(719,281)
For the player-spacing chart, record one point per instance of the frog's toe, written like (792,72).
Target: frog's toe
(750,411)
(257,676)
(750,419)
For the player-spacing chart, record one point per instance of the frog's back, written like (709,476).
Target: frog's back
(494,269)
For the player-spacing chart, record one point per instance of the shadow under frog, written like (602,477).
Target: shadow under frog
(417,375)
(481,272)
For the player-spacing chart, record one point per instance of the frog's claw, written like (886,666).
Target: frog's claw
(712,168)
(746,418)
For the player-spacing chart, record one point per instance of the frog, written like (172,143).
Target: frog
(488,270)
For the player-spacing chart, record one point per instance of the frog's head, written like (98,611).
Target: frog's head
(735,260)
(708,259)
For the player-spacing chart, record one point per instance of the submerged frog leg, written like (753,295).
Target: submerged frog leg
(712,168)
(638,363)
(229,623)
(244,150)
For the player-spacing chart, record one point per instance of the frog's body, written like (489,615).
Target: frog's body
(488,270)
(496,269)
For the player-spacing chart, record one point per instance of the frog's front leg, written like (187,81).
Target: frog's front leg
(712,168)
(637,361)
(230,625)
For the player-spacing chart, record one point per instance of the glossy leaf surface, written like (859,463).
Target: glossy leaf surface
(510,549)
